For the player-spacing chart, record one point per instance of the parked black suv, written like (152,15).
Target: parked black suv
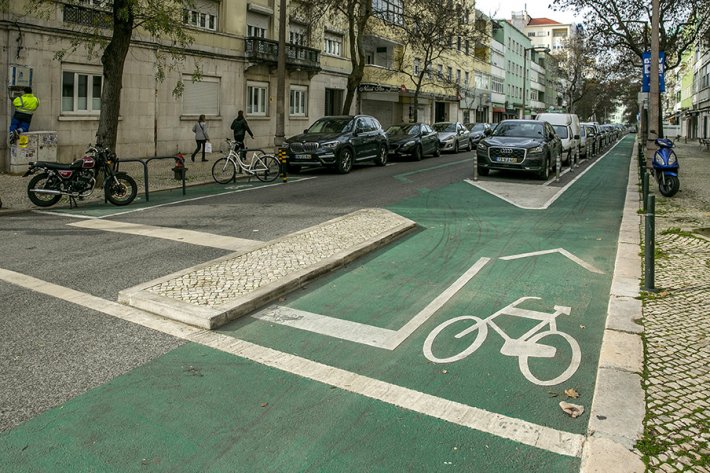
(338,142)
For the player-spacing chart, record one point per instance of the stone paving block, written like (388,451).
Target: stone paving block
(211,294)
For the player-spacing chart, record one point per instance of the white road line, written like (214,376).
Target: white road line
(517,430)
(182,201)
(589,267)
(175,234)
(362,333)
(528,200)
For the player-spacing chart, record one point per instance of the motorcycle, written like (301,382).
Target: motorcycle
(665,167)
(78,179)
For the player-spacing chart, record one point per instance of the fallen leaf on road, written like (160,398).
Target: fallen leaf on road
(572,410)
(571,392)
(264,404)
(444,371)
(552,394)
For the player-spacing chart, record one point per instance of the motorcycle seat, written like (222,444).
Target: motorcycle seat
(58,166)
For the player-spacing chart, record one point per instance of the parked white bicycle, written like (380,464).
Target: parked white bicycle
(264,167)
(524,347)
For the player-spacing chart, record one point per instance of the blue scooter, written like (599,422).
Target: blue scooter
(665,167)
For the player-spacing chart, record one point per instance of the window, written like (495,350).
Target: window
(81,92)
(449,73)
(256,98)
(389,10)
(440,71)
(465,77)
(416,67)
(458,76)
(298,100)
(333,45)
(297,35)
(199,19)
(201,97)
(256,31)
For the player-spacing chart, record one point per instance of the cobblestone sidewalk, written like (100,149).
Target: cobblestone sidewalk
(676,323)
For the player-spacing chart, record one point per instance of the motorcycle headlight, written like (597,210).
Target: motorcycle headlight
(537,149)
(658,159)
(672,159)
(330,145)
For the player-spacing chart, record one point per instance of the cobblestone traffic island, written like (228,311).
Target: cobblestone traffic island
(211,294)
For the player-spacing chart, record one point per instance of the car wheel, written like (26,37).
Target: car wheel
(345,161)
(293,168)
(381,158)
(417,156)
(437,150)
(544,172)
(456,146)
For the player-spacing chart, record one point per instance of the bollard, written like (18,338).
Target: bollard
(475,165)
(558,164)
(650,244)
(644,188)
(283,164)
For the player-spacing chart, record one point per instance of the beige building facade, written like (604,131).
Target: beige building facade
(235,49)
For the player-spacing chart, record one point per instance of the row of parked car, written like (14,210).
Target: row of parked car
(338,142)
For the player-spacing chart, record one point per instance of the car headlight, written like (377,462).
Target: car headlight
(537,149)
(481,147)
(330,145)
(449,139)
(409,144)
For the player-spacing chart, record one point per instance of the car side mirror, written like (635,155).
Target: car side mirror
(488,132)
(576,137)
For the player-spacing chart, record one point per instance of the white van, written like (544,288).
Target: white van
(566,126)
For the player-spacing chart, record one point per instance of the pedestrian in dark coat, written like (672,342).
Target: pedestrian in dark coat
(241,128)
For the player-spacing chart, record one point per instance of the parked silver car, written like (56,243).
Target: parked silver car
(453,136)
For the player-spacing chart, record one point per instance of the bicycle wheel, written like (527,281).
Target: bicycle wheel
(478,326)
(569,349)
(223,171)
(266,168)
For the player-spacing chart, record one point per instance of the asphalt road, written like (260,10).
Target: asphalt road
(51,351)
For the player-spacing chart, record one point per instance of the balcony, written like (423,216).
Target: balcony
(298,58)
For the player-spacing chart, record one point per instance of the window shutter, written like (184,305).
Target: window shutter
(200,97)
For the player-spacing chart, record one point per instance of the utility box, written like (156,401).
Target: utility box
(40,146)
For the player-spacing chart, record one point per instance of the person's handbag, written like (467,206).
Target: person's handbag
(208,147)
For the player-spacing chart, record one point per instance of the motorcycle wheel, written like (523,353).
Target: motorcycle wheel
(669,185)
(120,190)
(42,181)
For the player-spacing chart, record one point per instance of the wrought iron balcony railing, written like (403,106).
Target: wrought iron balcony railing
(297,57)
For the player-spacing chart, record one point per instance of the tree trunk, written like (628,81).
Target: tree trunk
(357,52)
(113,60)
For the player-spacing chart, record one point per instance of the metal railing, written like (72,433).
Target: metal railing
(179,158)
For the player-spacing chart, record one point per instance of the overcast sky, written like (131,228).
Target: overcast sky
(535,8)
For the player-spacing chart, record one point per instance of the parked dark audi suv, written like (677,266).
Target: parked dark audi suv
(338,142)
(521,145)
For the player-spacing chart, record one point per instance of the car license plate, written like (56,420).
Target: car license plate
(302,156)
(506,159)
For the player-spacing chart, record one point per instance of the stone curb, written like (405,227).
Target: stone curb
(210,317)
(618,410)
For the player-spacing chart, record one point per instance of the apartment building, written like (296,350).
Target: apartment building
(235,47)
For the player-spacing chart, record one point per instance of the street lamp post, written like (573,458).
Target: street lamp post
(525,68)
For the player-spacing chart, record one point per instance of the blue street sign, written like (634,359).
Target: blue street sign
(646,85)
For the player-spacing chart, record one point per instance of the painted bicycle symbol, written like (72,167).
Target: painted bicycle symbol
(525,347)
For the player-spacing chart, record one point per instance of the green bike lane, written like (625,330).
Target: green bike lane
(198,409)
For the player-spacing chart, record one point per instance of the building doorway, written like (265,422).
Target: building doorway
(440,112)
(333,102)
